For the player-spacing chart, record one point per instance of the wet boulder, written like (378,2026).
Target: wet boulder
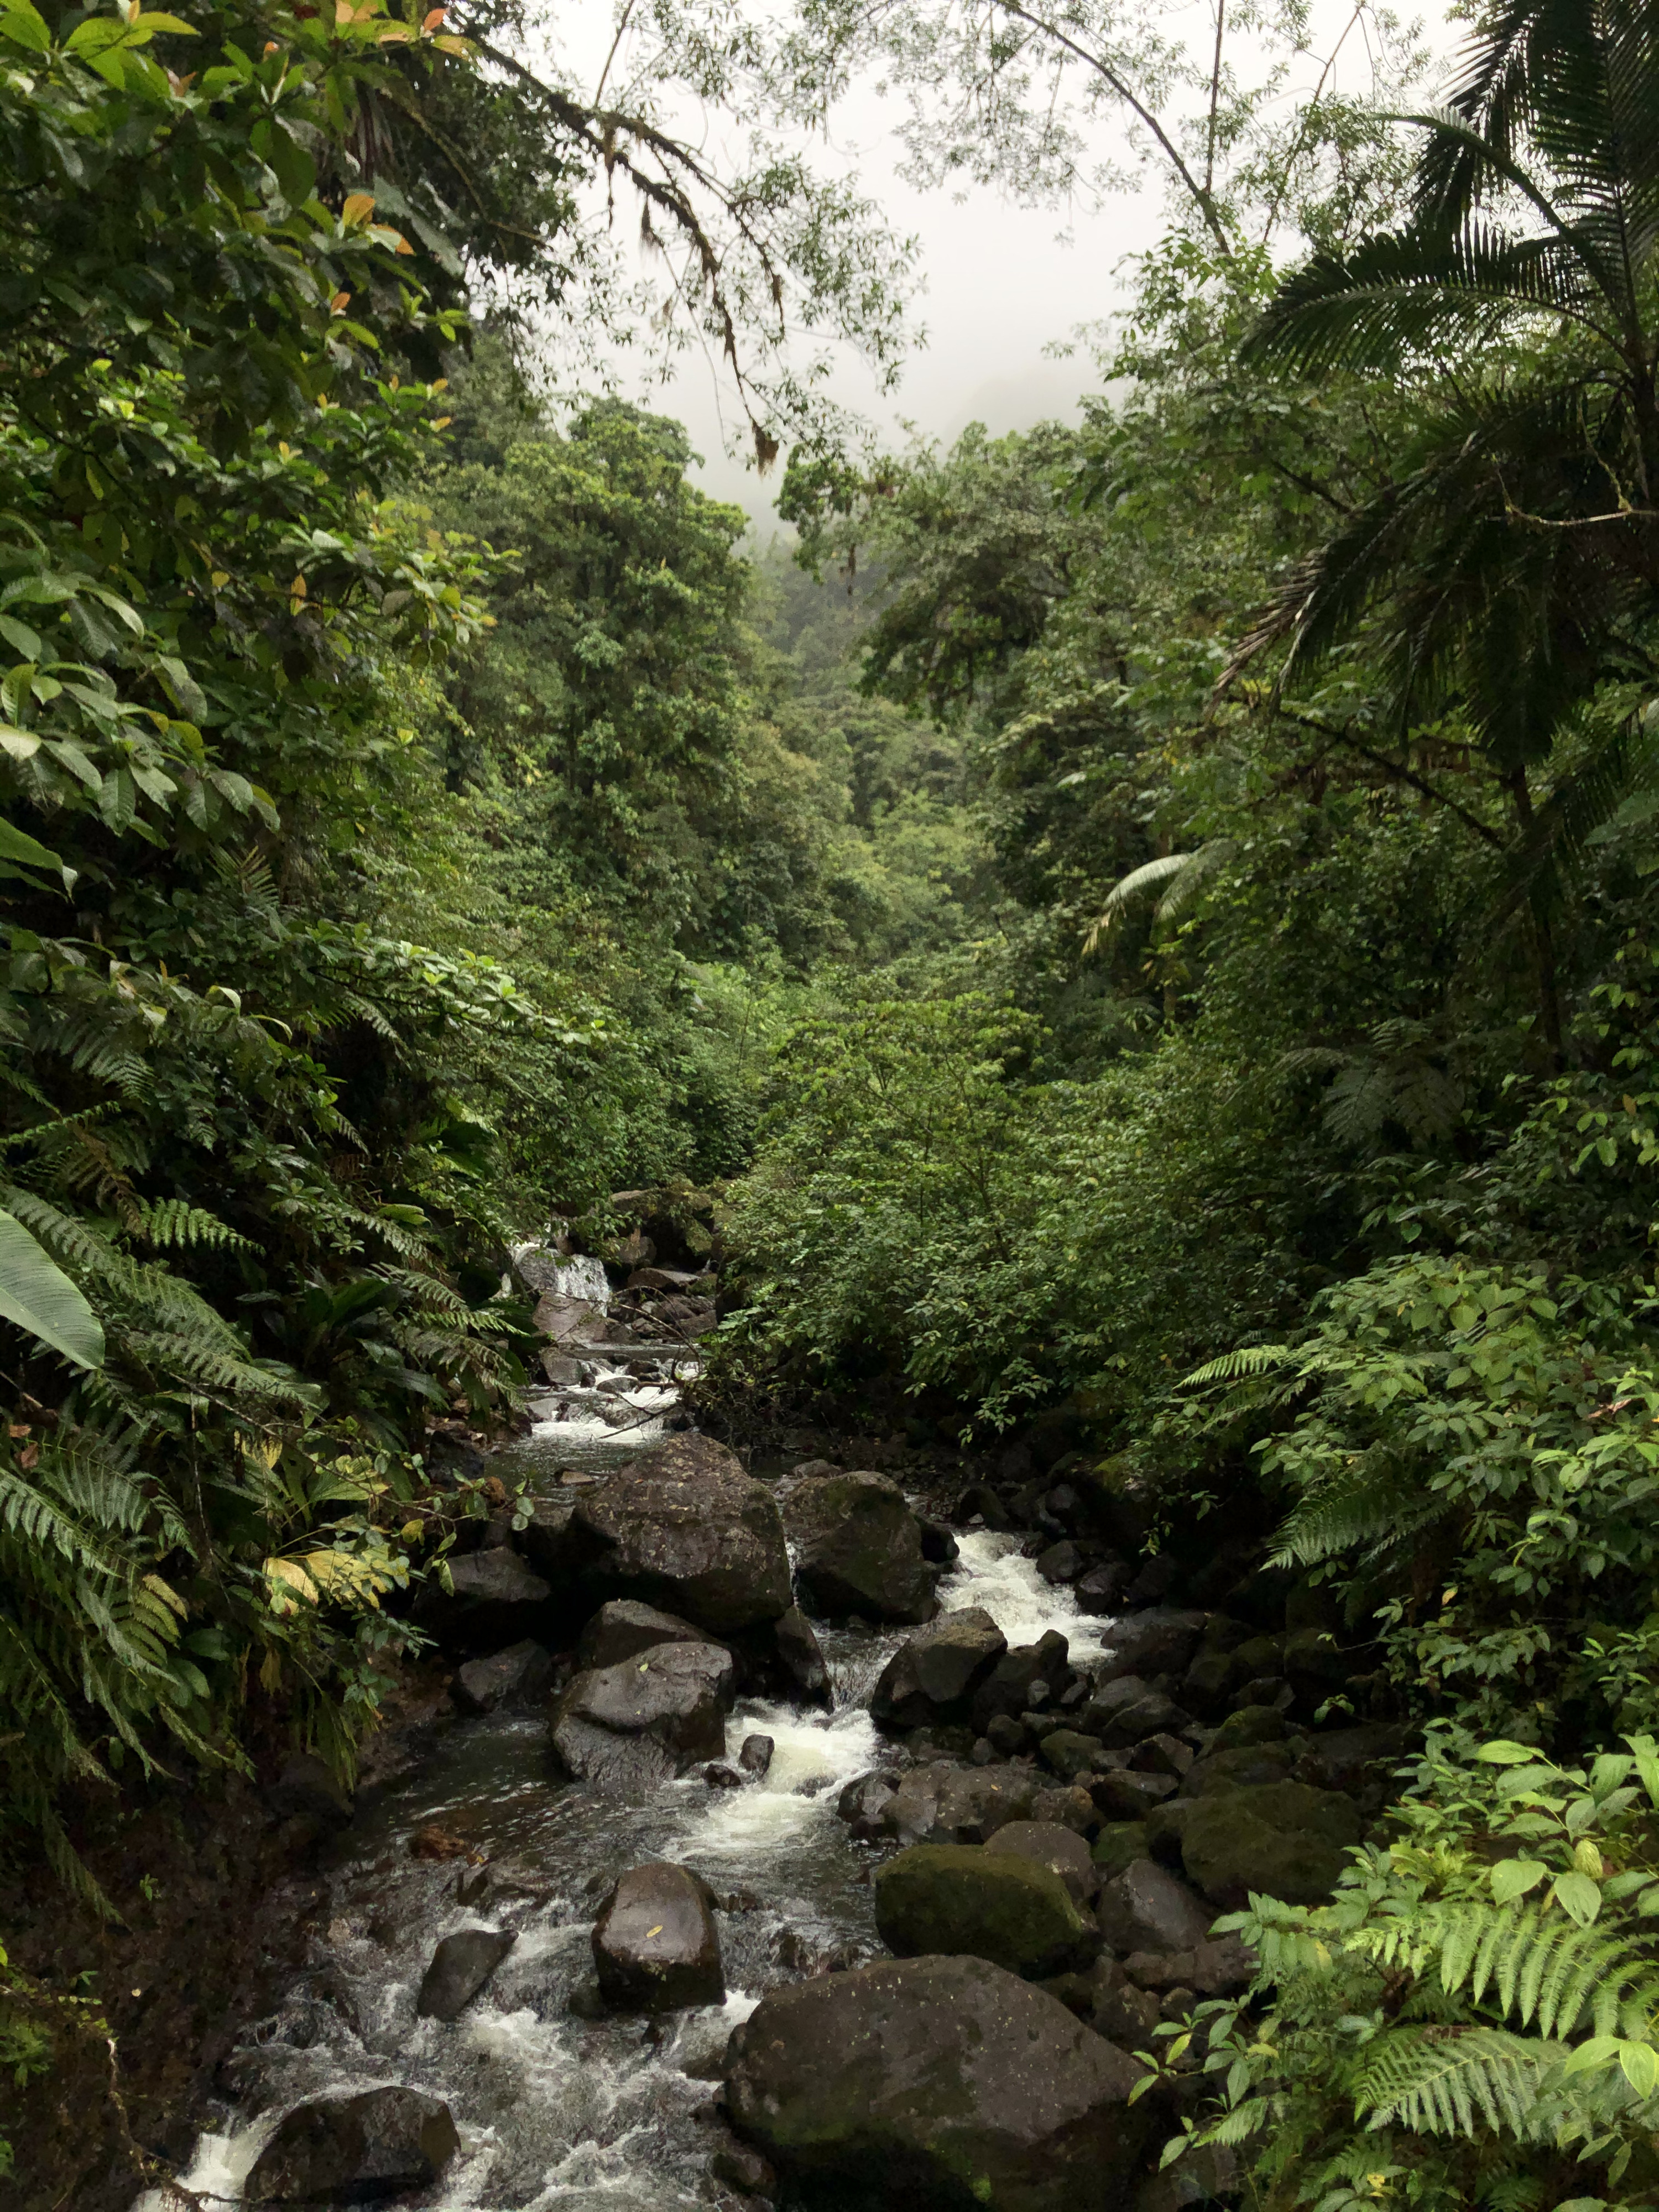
(1145,1908)
(862,1803)
(629,1727)
(1062,1849)
(1158,1642)
(801,1654)
(756,1756)
(939,1803)
(625,1628)
(858,1549)
(1280,1839)
(683,1528)
(932,1676)
(495,1599)
(510,1677)
(941,2082)
(460,1967)
(355,2150)
(939,1898)
(1007,1688)
(656,1948)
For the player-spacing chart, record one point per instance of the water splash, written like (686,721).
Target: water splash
(992,1573)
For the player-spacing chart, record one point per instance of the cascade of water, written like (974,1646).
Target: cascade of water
(560,2110)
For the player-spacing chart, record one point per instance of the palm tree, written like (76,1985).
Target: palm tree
(1513,567)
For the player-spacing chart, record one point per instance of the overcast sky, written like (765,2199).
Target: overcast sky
(1000,287)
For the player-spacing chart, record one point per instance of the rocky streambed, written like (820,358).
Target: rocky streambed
(788,1844)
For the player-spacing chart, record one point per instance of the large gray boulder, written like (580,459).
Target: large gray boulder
(858,1549)
(683,1528)
(1147,1908)
(629,1727)
(934,1675)
(955,1897)
(510,1677)
(355,2150)
(656,1948)
(944,2084)
(939,1803)
(460,1967)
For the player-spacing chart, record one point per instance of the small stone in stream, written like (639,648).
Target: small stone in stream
(432,1842)
(1061,1851)
(862,1803)
(756,1755)
(721,1777)
(1007,1688)
(798,1649)
(350,2150)
(740,2166)
(521,1671)
(934,1674)
(938,1545)
(472,1885)
(624,1628)
(656,1948)
(1146,1909)
(1061,1563)
(460,1967)
(1126,1796)
(984,1752)
(1163,1754)
(1100,1591)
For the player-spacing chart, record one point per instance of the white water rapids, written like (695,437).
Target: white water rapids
(560,2112)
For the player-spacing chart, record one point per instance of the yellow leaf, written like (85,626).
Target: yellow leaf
(657,1930)
(412,1531)
(271,1670)
(358,208)
(297,588)
(291,1573)
(221,578)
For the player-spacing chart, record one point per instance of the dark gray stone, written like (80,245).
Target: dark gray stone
(1146,1909)
(624,1628)
(1008,1687)
(863,1802)
(937,2082)
(629,1727)
(1062,1849)
(1158,1642)
(803,1659)
(460,1967)
(355,2150)
(1008,1908)
(306,1789)
(939,1803)
(508,1677)
(1282,1840)
(756,1756)
(1061,1563)
(858,1549)
(656,1948)
(934,1675)
(682,1526)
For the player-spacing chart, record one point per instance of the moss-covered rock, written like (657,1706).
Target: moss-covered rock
(1119,1844)
(858,1549)
(1282,1839)
(955,1898)
(940,2083)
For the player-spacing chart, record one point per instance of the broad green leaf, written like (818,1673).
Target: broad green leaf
(1503,1754)
(38,1297)
(1639,2063)
(1513,1878)
(1578,1896)
(17,845)
(25,27)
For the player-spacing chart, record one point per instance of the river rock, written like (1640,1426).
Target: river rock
(682,1526)
(505,1677)
(756,1756)
(624,1628)
(934,1675)
(631,1726)
(862,1803)
(656,1948)
(494,1600)
(801,1654)
(1146,1909)
(938,1899)
(939,1803)
(858,1549)
(1007,1688)
(1158,1642)
(460,1967)
(353,2149)
(1062,1849)
(1282,1839)
(941,2082)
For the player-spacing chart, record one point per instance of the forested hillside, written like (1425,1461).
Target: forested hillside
(1136,938)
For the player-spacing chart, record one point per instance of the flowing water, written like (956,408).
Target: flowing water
(557,2108)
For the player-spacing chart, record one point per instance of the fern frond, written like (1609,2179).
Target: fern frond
(1440,2082)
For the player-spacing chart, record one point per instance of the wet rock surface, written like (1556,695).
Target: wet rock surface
(656,1948)
(934,1675)
(949,1898)
(647,1719)
(460,1967)
(944,2083)
(858,1549)
(683,1528)
(355,2149)
(513,1676)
